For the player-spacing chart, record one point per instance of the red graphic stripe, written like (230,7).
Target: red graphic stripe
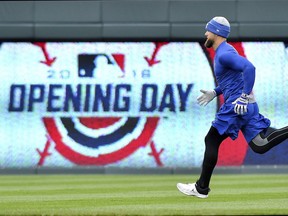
(45,153)
(239,47)
(152,60)
(104,159)
(156,154)
(120,60)
(48,60)
(98,122)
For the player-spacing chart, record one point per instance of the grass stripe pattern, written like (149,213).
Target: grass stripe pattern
(264,194)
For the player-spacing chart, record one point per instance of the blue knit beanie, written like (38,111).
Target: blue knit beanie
(219,26)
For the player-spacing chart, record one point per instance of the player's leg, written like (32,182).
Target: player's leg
(201,188)
(212,143)
(263,143)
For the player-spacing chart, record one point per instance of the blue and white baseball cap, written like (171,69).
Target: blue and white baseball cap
(219,26)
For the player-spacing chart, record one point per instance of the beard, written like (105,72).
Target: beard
(209,43)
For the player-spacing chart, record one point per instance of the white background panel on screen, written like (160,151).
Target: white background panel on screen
(111,85)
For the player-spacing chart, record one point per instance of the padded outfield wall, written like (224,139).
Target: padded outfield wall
(139,19)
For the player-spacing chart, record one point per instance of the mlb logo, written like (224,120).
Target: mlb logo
(89,65)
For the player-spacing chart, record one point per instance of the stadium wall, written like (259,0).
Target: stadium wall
(140,19)
(29,147)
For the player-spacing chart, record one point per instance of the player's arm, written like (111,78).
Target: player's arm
(240,64)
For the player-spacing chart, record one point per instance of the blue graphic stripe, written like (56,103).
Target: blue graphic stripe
(109,139)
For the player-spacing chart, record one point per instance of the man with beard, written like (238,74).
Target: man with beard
(235,76)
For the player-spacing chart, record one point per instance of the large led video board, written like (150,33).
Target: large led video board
(126,104)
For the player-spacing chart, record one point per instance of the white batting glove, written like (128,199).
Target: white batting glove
(206,97)
(241,104)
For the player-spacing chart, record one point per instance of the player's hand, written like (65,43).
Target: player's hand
(206,97)
(241,104)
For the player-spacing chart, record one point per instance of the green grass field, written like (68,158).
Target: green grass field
(141,195)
